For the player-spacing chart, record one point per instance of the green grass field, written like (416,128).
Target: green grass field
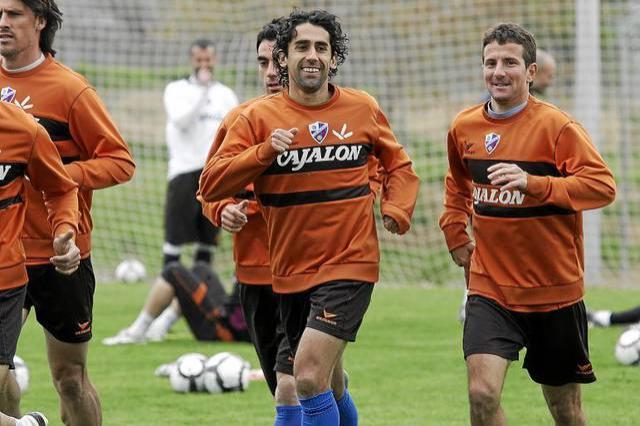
(405,369)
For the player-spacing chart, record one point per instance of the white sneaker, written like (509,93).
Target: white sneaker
(165,370)
(156,332)
(599,318)
(34,419)
(124,337)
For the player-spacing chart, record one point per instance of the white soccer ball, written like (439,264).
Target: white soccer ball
(628,347)
(21,373)
(130,271)
(226,372)
(187,376)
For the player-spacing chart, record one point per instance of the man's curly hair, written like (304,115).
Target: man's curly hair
(338,40)
(49,11)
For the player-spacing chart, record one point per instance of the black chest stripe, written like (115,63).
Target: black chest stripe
(309,197)
(58,131)
(10,201)
(10,172)
(478,169)
(318,158)
(490,210)
(245,195)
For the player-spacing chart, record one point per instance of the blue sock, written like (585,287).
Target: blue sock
(320,410)
(348,410)
(288,415)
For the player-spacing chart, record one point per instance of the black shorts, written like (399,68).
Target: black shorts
(205,304)
(556,341)
(63,303)
(261,309)
(183,219)
(336,308)
(11,303)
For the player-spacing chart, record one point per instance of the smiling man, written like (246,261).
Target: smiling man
(323,246)
(524,171)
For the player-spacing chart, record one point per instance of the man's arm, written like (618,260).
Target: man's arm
(457,199)
(401,182)
(60,193)
(239,161)
(110,161)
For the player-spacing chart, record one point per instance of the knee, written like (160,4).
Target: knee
(69,381)
(309,383)
(286,391)
(483,398)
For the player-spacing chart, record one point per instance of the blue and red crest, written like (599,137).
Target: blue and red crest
(319,131)
(7,94)
(491,142)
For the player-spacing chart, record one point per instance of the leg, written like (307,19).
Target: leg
(9,392)
(79,402)
(160,296)
(565,404)
(486,375)
(163,323)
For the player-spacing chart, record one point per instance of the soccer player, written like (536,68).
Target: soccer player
(608,318)
(241,216)
(95,156)
(306,150)
(524,171)
(210,313)
(195,106)
(545,74)
(27,151)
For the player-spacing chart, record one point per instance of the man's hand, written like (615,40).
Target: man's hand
(508,176)
(67,254)
(462,255)
(204,76)
(390,224)
(234,216)
(282,139)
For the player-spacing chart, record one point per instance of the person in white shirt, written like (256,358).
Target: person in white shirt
(195,107)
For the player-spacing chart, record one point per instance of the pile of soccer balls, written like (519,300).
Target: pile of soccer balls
(194,372)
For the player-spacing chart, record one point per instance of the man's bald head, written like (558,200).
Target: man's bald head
(546,72)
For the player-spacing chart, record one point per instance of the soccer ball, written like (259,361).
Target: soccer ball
(226,372)
(187,376)
(130,271)
(21,373)
(628,347)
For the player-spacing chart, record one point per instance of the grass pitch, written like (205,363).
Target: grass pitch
(405,369)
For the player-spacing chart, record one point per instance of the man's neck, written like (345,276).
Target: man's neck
(23,62)
(318,97)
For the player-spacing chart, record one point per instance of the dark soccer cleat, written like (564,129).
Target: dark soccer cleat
(35,419)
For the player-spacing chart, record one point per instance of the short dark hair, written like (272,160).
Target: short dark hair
(49,11)
(512,33)
(269,31)
(338,40)
(202,43)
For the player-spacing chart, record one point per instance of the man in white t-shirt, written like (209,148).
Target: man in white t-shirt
(195,107)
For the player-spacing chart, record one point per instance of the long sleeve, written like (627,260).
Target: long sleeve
(60,193)
(91,126)
(238,162)
(586,181)
(182,108)
(457,198)
(401,182)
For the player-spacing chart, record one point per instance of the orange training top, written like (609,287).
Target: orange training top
(26,150)
(529,245)
(316,197)
(94,153)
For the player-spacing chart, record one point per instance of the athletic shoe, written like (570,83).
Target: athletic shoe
(164,370)
(599,318)
(34,419)
(124,337)
(156,332)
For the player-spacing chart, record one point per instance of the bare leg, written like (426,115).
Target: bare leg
(286,390)
(486,375)
(565,404)
(160,296)
(9,392)
(79,401)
